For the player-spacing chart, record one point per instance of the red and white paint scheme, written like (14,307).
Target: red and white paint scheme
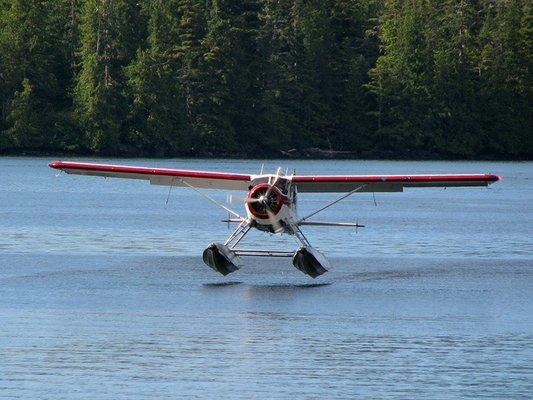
(270,202)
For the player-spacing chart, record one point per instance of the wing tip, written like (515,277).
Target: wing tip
(55,164)
(493,178)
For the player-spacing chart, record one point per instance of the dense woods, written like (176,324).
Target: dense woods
(256,78)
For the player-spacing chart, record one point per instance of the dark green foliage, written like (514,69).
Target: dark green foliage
(454,79)
(111,31)
(34,74)
(27,118)
(159,125)
(375,78)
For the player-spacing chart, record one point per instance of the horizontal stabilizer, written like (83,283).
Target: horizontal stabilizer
(324,223)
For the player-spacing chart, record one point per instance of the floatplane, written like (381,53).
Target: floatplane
(270,203)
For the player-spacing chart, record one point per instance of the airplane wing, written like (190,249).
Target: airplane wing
(304,183)
(159,176)
(386,183)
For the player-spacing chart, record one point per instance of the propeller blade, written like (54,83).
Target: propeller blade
(278,174)
(275,223)
(235,199)
(240,200)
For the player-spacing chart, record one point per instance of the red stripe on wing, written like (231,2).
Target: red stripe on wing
(148,171)
(396,178)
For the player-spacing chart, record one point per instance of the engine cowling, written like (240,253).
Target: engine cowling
(265,199)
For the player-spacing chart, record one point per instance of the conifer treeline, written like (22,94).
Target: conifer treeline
(378,78)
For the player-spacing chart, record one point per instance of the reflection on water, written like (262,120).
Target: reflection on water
(297,286)
(285,287)
(220,284)
(103,293)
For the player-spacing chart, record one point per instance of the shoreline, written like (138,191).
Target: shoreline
(280,155)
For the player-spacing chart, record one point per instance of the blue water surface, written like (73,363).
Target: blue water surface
(103,294)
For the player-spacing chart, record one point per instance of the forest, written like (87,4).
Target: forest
(394,79)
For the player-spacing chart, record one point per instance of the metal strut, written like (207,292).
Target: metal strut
(238,234)
(300,236)
(212,200)
(333,202)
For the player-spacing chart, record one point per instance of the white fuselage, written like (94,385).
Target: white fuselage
(274,208)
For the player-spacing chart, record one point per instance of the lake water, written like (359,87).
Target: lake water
(103,294)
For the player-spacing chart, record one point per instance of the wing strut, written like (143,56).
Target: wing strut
(330,204)
(169,190)
(201,193)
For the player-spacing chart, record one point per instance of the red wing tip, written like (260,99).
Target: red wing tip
(55,164)
(494,178)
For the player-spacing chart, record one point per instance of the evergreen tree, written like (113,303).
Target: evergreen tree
(338,55)
(159,115)
(191,29)
(402,79)
(230,71)
(34,74)
(214,113)
(452,78)
(244,71)
(456,85)
(504,72)
(4,61)
(281,105)
(111,32)
(28,119)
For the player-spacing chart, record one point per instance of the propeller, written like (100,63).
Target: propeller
(274,222)
(231,199)
(271,216)
(264,201)
(278,174)
(240,200)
